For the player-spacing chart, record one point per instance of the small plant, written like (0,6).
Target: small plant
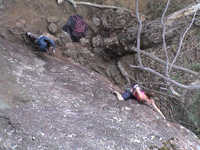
(194,67)
(194,111)
(167,145)
(176,76)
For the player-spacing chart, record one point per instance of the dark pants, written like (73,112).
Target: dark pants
(34,37)
(127,95)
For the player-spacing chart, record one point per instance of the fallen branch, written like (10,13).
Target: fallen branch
(164,43)
(128,77)
(173,91)
(163,62)
(138,33)
(189,87)
(181,40)
(123,72)
(95,5)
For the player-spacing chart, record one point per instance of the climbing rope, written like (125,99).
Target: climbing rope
(80,27)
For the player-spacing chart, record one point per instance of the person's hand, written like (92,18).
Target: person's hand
(136,86)
(150,101)
(114,92)
(50,51)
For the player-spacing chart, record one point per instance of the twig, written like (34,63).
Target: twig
(127,76)
(166,54)
(161,93)
(123,72)
(163,37)
(138,34)
(163,62)
(181,40)
(190,49)
(173,91)
(191,86)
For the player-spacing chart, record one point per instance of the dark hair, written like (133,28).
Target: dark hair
(149,95)
(50,44)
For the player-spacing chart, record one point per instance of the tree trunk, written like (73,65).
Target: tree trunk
(120,43)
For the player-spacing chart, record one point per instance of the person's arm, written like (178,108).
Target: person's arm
(42,44)
(52,42)
(141,96)
(49,40)
(119,96)
(157,109)
(42,47)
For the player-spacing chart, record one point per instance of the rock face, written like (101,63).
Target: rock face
(46,103)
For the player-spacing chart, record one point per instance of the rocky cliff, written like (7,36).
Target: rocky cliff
(47,103)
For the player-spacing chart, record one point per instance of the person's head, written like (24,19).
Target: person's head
(149,100)
(149,95)
(51,48)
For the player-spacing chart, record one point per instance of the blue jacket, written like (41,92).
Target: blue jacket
(42,42)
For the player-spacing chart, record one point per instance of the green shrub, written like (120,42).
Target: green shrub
(194,67)
(194,114)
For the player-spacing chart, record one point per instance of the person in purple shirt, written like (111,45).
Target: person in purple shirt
(44,43)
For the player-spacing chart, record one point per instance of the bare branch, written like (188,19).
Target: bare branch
(181,40)
(127,76)
(190,87)
(95,5)
(190,49)
(123,72)
(187,11)
(138,34)
(165,49)
(163,37)
(164,63)
(173,91)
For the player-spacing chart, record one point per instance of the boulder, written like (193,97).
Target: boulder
(113,71)
(52,19)
(61,23)
(63,38)
(53,28)
(84,41)
(96,21)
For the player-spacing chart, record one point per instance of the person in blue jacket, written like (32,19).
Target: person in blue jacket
(44,43)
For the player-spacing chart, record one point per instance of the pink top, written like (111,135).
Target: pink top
(137,97)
